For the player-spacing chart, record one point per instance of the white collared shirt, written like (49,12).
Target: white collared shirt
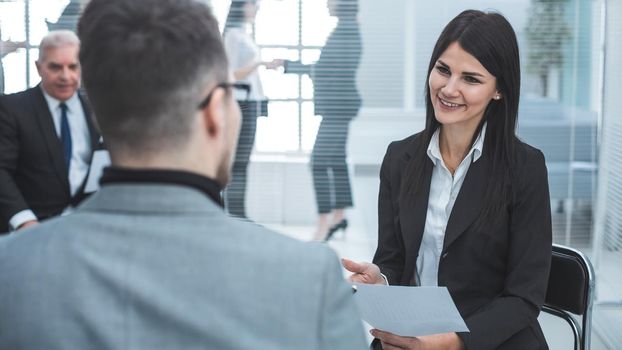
(444,189)
(242,51)
(80,137)
(81,148)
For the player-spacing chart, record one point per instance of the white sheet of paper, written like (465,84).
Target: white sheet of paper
(409,311)
(101,159)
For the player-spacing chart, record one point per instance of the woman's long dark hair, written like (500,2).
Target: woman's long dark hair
(235,18)
(489,38)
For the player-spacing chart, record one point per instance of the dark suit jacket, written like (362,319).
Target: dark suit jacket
(334,74)
(32,167)
(497,275)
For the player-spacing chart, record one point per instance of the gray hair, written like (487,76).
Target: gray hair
(56,39)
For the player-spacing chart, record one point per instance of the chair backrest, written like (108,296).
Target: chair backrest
(571,290)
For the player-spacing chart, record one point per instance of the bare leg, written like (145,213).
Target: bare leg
(337,216)
(338,222)
(322,227)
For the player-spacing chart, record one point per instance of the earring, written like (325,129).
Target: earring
(497,97)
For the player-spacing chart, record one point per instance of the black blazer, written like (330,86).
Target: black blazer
(497,275)
(334,74)
(33,174)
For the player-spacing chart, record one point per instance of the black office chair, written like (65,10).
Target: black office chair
(571,291)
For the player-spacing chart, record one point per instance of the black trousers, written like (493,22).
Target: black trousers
(331,180)
(235,194)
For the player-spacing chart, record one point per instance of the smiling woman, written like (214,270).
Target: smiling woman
(465,204)
(461,88)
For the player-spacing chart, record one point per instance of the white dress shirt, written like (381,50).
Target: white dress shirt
(80,152)
(242,51)
(444,189)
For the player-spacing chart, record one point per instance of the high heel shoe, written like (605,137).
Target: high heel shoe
(341,225)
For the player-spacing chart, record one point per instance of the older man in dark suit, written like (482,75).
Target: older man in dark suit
(47,139)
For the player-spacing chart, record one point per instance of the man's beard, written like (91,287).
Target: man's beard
(223,173)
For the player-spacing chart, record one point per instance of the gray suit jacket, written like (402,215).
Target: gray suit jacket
(144,266)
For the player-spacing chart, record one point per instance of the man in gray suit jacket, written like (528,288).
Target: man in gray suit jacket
(151,261)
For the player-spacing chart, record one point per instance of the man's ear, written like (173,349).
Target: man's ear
(39,66)
(214,113)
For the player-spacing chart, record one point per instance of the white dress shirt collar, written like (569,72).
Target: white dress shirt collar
(80,136)
(73,103)
(444,189)
(434,148)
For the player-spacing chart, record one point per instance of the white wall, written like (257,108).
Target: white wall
(380,76)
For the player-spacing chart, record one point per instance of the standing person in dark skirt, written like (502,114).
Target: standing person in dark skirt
(338,102)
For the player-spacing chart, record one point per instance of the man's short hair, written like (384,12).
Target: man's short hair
(146,65)
(56,39)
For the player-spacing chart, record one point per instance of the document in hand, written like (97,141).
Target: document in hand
(409,311)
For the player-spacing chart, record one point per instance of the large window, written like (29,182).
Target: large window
(27,22)
(298,34)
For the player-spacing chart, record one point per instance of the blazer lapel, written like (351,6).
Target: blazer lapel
(95,145)
(90,122)
(412,216)
(469,201)
(46,125)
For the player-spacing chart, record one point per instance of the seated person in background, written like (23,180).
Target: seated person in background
(47,138)
(151,261)
(464,203)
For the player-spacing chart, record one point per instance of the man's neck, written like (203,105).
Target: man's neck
(162,162)
(54,101)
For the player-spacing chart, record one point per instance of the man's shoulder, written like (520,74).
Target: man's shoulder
(18,245)
(28,93)
(267,241)
(21,98)
(253,243)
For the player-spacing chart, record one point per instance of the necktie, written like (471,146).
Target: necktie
(65,134)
